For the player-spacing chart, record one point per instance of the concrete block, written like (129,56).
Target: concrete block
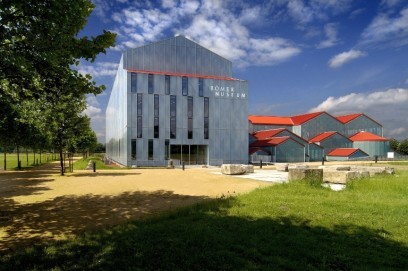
(232,169)
(282,167)
(307,174)
(297,166)
(342,177)
(374,170)
(248,168)
(336,168)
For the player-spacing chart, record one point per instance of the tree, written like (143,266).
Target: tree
(403,147)
(39,43)
(394,144)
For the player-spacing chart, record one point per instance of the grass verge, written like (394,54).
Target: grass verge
(295,226)
(27,161)
(82,164)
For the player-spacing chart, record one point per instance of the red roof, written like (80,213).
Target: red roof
(348,118)
(264,134)
(299,119)
(269,142)
(322,136)
(346,152)
(270,120)
(367,136)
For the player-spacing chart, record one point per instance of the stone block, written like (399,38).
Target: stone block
(248,168)
(374,170)
(336,168)
(342,177)
(232,169)
(282,167)
(297,166)
(307,174)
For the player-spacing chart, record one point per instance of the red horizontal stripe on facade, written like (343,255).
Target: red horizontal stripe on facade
(185,74)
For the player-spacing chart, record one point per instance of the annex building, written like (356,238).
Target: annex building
(312,136)
(175,99)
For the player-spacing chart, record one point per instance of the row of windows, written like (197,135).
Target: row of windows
(173,116)
(167,80)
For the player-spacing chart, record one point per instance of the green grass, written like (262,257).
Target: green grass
(12,160)
(296,226)
(82,163)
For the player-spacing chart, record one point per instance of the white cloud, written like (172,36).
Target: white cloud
(98,69)
(387,30)
(388,107)
(330,31)
(211,24)
(92,111)
(342,58)
(390,3)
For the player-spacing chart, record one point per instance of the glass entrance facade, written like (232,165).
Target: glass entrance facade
(189,154)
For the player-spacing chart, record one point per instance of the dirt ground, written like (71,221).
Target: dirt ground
(39,205)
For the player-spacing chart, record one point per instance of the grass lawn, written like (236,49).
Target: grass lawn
(12,160)
(295,226)
(82,163)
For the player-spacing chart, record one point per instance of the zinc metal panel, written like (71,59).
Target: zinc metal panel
(181,59)
(191,60)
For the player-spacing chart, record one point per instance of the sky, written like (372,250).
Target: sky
(298,56)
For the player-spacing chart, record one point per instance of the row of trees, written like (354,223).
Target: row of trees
(399,146)
(41,96)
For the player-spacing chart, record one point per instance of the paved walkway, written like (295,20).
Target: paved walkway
(273,176)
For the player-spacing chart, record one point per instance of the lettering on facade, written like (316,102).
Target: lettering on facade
(226,92)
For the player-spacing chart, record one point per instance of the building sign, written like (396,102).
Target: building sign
(226,92)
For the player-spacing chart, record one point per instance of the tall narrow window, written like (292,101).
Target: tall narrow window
(139,115)
(156,116)
(206,118)
(150,149)
(133,82)
(173,116)
(184,86)
(133,149)
(190,117)
(150,87)
(201,87)
(167,85)
(167,149)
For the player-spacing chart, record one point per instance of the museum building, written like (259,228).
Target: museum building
(175,99)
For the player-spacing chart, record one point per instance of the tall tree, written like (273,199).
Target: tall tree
(39,44)
(394,144)
(403,147)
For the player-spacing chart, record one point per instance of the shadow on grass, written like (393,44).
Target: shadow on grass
(204,237)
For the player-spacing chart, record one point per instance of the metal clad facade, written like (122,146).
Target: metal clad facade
(318,125)
(362,123)
(180,57)
(372,148)
(116,118)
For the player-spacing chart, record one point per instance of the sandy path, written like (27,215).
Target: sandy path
(39,205)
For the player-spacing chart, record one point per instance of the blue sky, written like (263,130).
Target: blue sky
(339,56)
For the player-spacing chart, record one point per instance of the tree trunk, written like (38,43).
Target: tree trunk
(27,157)
(61,162)
(5,159)
(18,158)
(40,156)
(34,158)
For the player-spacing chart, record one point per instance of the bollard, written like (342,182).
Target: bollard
(94,167)
(322,160)
(376,158)
(182,165)
(260,164)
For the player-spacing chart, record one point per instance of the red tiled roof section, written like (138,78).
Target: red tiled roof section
(348,118)
(264,134)
(343,152)
(367,136)
(269,142)
(305,117)
(322,137)
(270,120)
